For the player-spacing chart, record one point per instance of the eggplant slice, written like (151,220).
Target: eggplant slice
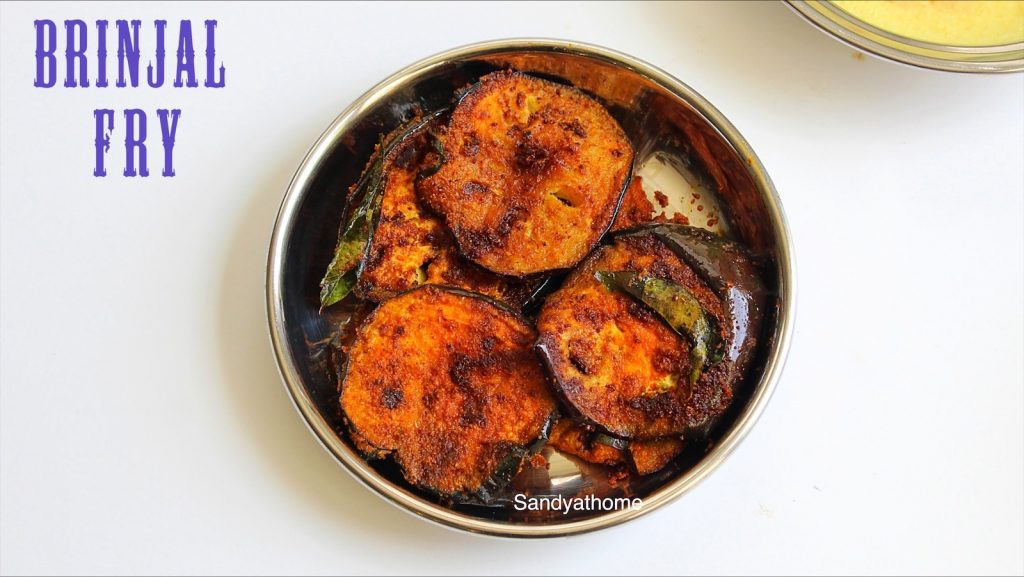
(575,439)
(620,365)
(534,172)
(408,246)
(447,382)
(645,457)
(391,244)
(363,203)
(651,456)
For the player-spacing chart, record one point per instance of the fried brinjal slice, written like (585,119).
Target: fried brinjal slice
(646,457)
(390,243)
(363,204)
(447,382)
(574,439)
(533,174)
(639,341)
(408,246)
(652,455)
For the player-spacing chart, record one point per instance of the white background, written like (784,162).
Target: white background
(145,428)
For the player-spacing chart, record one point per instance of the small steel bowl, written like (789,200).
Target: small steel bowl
(863,36)
(686,146)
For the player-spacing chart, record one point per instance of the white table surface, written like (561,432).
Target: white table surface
(145,429)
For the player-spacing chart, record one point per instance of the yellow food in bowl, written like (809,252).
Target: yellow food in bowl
(947,22)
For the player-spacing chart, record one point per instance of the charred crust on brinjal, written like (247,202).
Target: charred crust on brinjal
(621,367)
(499,210)
(534,174)
(362,211)
(407,246)
(446,382)
(586,443)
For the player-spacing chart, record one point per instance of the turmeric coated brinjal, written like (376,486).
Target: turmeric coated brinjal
(645,456)
(463,218)
(533,174)
(447,382)
(391,244)
(651,334)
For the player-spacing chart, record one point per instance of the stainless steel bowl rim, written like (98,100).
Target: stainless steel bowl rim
(286,220)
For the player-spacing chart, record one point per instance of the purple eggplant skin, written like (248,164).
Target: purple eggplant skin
(729,270)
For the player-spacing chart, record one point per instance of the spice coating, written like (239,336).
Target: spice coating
(615,361)
(447,382)
(534,174)
(646,457)
(574,439)
(409,246)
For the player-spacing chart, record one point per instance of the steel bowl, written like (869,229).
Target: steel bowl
(863,36)
(685,146)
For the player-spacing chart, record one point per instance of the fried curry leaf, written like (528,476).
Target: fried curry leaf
(336,286)
(677,306)
(341,273)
